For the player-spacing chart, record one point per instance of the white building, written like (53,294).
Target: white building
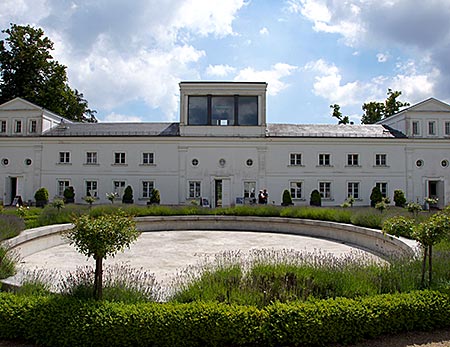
(222,149)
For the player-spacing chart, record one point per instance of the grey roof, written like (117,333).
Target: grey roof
(173,129)
(331,130)
(115,129)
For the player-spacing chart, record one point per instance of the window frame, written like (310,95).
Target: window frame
(18,126)
(432,131)
(32,126)
(415,128)
(146,192)
(294,190)
(353,190)
(61,185)
(353,159)
(381,159)
(323,158)
(383,186)
(91,183)
(118,187)
(295,159)
(3,126)
(120,158)
(194,189)
(150,158)
(447,128)
(324,188)
(91,158)
(64,157)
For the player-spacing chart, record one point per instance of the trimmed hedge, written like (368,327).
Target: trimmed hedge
(64,321)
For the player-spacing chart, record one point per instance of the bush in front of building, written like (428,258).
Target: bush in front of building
(64,321)
(128,195)
(399,198)
(375,196)
(286,198)
(155,197)
(69,195)
(41,197)
(315,199)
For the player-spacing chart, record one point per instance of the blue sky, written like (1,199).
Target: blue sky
(127,57)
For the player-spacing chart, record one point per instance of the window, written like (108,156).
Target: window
(119,158)
(415,128)
(382,186)
(249,190)
(223,110)
(352,159)
(249,162)
(147,188)
(148,158)
(3,126)
(18,126)
(119,187)
(353,189)
(324,159)
(62,185)
(91,188)
(64,157)
(33,126)
(296,159)
(194,162)
(447,128)
(91,158)
(432,128)
(296,190)
(380,159)
(325,190)
(194,189)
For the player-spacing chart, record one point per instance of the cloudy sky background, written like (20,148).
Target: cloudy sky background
(127,57)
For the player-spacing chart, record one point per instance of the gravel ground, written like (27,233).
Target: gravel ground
(440,338)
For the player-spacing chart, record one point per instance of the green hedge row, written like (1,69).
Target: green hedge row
(64,321)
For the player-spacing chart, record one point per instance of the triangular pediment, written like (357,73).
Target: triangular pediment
(19,104)
(430,105)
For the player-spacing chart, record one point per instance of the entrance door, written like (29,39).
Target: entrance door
(217,193)
(436,191)
(13,190)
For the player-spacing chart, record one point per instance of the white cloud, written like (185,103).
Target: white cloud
(264,31)
(272,77)
(114,117)
(219,70)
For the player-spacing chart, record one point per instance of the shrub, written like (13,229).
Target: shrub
(375,196)
(69,195)
(41,197)
(10,226)
(7,263)
(399,226)
(128,195)
(315,199)
(399,198)
(155,197)
(368,220)
(287,198)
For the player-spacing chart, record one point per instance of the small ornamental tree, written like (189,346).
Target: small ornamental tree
(375,196)
(399,198)
(58,204)
(69,195)
(102,237)
(155,197)
(315,199)
(287,198)
(41,197)
(128,195)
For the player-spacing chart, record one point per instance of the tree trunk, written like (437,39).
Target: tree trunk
(430,268)
(424,266)
(98,280)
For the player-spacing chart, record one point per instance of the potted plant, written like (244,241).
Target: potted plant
(128,195)
(315,199)
(287,198)
(41,197)
(155,197)
(69,195)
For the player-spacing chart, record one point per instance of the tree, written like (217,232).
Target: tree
(399,198)
(338,115)
(375,196)
(286,198)
(102,237)
(315,198)
(375,111)
(27,70)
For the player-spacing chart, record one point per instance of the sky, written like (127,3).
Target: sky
(127,57)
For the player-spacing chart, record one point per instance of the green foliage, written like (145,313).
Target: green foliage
(315,199)
(399,198)
(90,200)
(399,226)
(414,208)
(29,71)
(41,194)
(287,198)
(58,204)
(10,226)
(338,114)
(112,196)
(368,219)
(128,195)
(375,196)
(155,197)
(375,111)
(69,194)
(64,321)
(381,206)
(7,262)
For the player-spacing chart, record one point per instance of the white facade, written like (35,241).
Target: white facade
(221,149)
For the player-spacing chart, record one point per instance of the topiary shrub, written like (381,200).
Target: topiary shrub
(375,196)
(69,195)
(41,197)
(128,195)
(316,199)
(155,197)
(287,198)
(399,198)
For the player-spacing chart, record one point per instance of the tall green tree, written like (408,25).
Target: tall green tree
(28,70)
(338,114)
(375,111)
(100,238)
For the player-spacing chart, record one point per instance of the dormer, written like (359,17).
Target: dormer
(223,109)
(427,119)
(19,117)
